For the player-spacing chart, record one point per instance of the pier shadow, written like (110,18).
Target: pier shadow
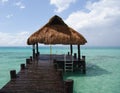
(95,70)
(91,71)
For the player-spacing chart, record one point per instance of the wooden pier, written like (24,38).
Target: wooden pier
(38,76)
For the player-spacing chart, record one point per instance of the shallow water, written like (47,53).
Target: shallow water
(103,67)
(103,72)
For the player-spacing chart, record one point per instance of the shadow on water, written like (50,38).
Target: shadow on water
(91,71)
(95,70)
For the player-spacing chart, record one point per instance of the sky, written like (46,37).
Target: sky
(97,20)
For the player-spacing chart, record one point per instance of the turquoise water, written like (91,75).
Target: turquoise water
(103,67)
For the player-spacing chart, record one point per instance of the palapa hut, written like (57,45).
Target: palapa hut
(56,32)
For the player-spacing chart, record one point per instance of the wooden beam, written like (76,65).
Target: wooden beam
(79,52)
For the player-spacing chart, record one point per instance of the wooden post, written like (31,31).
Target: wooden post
(83,57)
(31,58)
(68,53)
(27,61)
(68,86)
(75,55)
(34,51)
(22,66)
(36,56)
(83,65)
(37,49)
(78,52)
(13,74)
(71,49)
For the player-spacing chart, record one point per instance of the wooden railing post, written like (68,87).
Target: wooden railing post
(31,58)
(83,57)
(83,65)
(22,66)
(75,55)
(68,53)
(27,61)
(13,74)
(68,86)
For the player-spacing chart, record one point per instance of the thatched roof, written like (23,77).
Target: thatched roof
(56,32)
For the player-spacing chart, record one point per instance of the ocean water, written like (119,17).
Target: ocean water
(103,67)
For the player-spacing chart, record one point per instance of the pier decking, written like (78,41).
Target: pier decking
(43,75)
(37,77)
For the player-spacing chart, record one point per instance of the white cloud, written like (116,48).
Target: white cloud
(3,1)
(101,24)
(20,5)
(13,39)
(61,4)
(9,16)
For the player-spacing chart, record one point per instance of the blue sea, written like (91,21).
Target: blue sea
(102,64)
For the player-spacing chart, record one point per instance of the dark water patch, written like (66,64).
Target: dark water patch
(92,70)
(95,70)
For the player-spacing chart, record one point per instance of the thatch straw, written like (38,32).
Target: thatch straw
(56,32)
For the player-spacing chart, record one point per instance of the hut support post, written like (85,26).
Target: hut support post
(78,52)
(37,48)
(34,51)
(71,49)
(37,51)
